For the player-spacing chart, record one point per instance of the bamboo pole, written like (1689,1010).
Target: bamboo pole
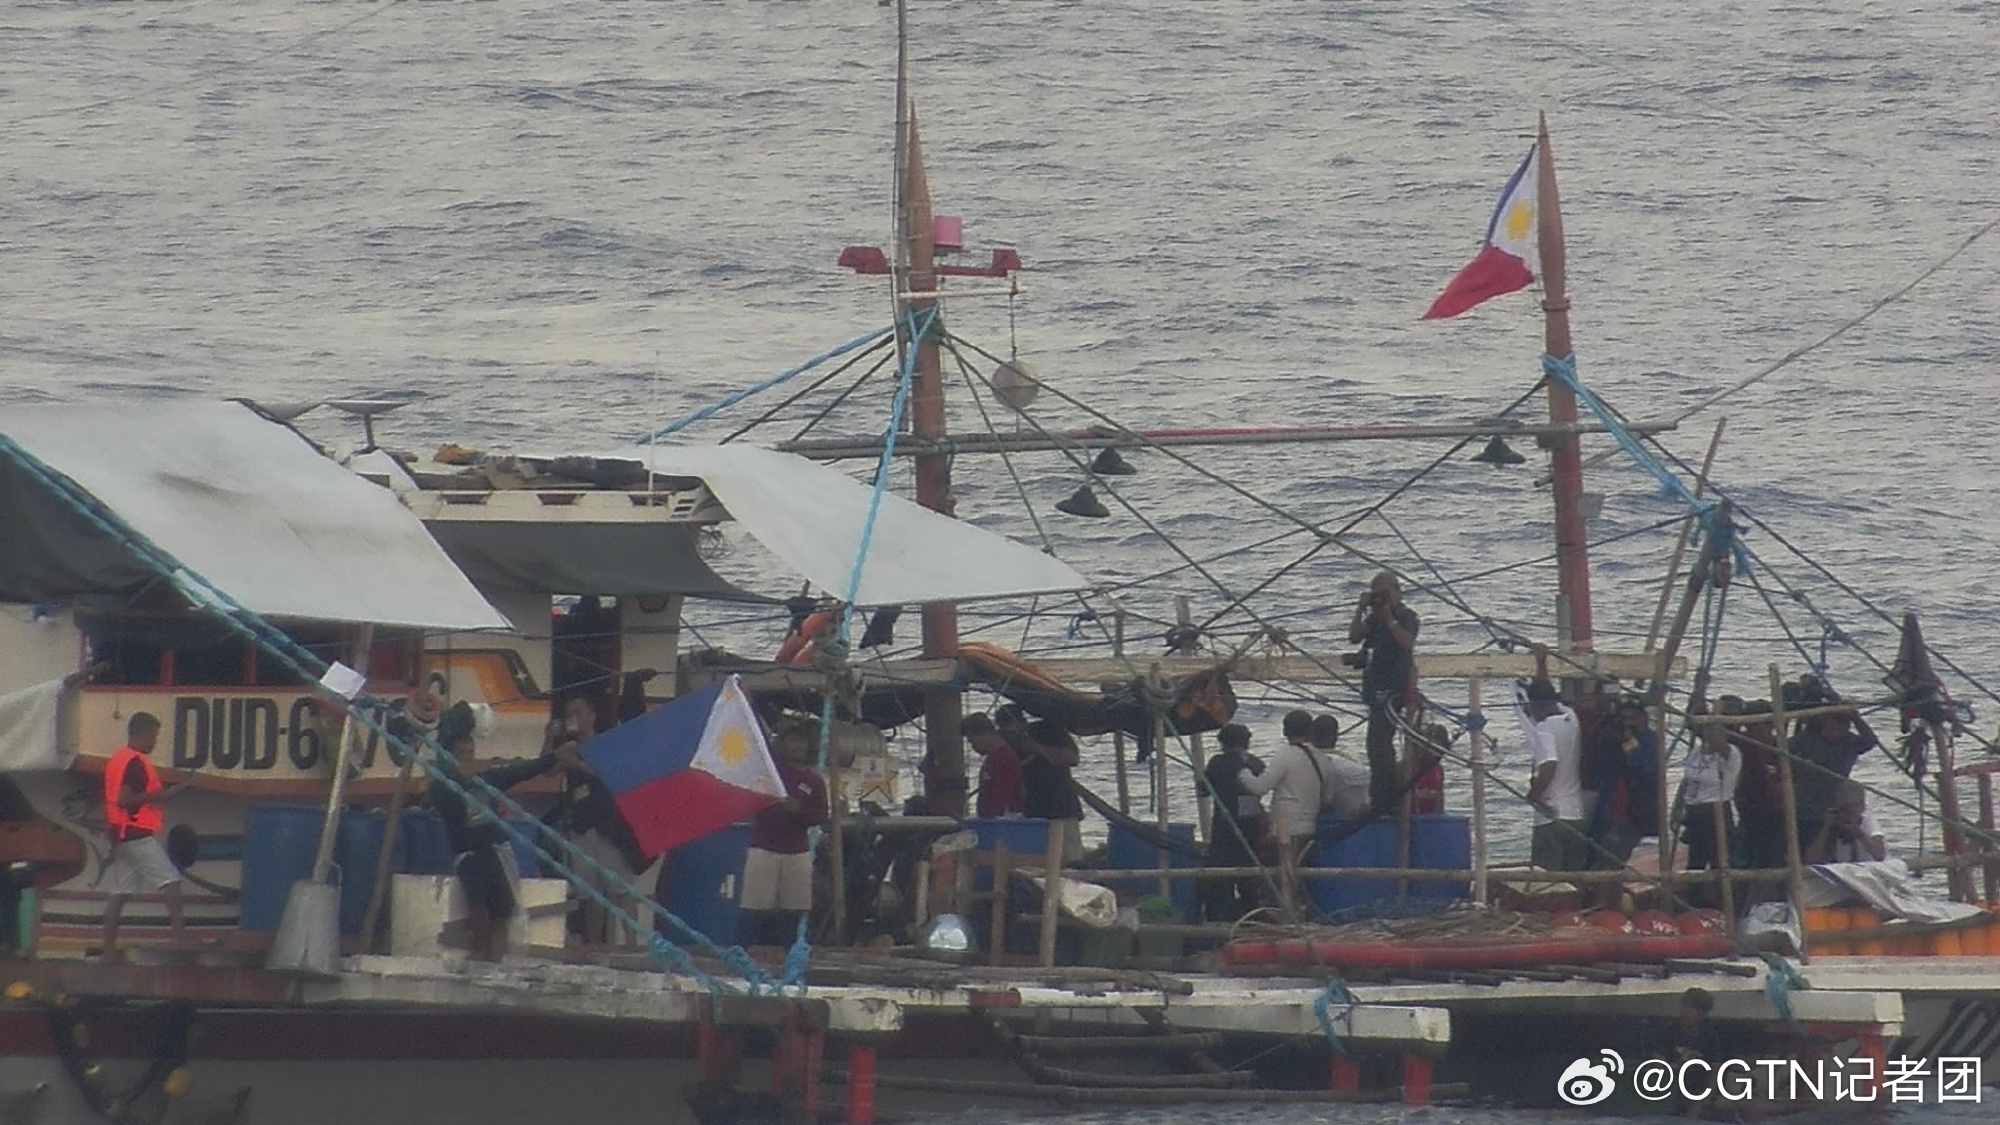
(1197,749)
(330,828)
(1663,809)
(1959,879)
(1161,798)
(1687,532)
(1003,875)
(1722,861)
(1795,870)
(1118,737)
(378,893)
(1479,768)
(1052,893)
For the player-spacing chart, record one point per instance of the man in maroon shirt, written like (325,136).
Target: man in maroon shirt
(778,872)
(1000,789)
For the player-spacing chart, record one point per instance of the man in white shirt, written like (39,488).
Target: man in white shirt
(1555,743)
(1707,784)
(1292,777)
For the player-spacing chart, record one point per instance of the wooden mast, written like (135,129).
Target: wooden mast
(916,297)
(1572,552)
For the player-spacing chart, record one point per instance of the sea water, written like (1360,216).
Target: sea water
(553,227)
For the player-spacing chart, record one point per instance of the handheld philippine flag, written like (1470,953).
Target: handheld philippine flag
(1509,259)
(687,769)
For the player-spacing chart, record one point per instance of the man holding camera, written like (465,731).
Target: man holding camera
(1386,630)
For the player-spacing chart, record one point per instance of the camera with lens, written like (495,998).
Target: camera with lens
(1355,660)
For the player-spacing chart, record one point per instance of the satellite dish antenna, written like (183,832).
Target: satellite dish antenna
(366,409)
(283,411)
(1015,385)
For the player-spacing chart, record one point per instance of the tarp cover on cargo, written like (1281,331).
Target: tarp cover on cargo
(811,517)
(241,500)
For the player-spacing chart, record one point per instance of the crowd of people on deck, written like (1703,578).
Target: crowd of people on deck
(1597,794)
(1595,787)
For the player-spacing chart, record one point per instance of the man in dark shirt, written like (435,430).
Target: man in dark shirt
(778,872)
(1386,630)
(1000,789)
(474,830)
(1825,753)
(1236,827)
(1049,793)
(588,817)
(1760,790)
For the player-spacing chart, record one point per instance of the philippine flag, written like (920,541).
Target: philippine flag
(1509,260)
(686,769)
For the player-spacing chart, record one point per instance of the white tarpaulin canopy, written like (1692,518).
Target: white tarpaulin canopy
(811,517)
(243,501)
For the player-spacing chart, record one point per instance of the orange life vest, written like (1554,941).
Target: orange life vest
(121,820)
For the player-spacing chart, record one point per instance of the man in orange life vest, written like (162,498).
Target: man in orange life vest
(132,796)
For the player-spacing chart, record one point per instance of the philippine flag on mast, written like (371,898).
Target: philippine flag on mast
(1509,260)
(687,769)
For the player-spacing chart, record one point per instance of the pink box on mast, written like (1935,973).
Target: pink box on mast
(948,232)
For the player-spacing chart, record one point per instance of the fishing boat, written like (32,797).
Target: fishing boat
(220,564)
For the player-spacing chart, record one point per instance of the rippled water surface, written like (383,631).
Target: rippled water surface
(555,226)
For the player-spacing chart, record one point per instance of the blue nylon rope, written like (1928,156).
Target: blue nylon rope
(800,954)
(1563,370)
(303,662)
(735,397)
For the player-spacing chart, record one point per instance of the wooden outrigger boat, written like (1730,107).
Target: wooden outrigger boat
(507,576)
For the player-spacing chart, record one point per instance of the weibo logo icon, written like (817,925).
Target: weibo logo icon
(1587,1082)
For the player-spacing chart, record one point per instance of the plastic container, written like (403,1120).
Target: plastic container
(1371,846)
(1440,842)
(1027,840)
(279,845)
(1130,852)
(702,883)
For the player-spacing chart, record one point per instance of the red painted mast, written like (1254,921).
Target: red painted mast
(1572,551)
(919,283)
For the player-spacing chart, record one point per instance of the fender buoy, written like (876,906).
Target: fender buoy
(798,646)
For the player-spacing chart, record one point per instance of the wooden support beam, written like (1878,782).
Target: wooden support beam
(1090,671)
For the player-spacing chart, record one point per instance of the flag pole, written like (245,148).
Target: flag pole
(1572,554)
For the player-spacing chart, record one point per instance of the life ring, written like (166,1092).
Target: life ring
(798,646)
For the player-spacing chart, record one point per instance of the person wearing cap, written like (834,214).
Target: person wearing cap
(483,849)
(1556,751)
(1235,828)
(1047,791)
(1000,790)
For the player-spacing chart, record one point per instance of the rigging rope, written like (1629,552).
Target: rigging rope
(735,397)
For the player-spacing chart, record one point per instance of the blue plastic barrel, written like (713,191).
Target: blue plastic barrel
(702,882)
(356,849)
(1441,842)
(1372,846)
(1026,839)
(425,849)
(279,843)
(1129,851)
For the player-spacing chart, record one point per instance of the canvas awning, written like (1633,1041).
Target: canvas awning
(616,559)
(810,516)
(243,501)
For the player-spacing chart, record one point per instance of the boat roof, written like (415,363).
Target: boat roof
(233,495)
(813,517)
